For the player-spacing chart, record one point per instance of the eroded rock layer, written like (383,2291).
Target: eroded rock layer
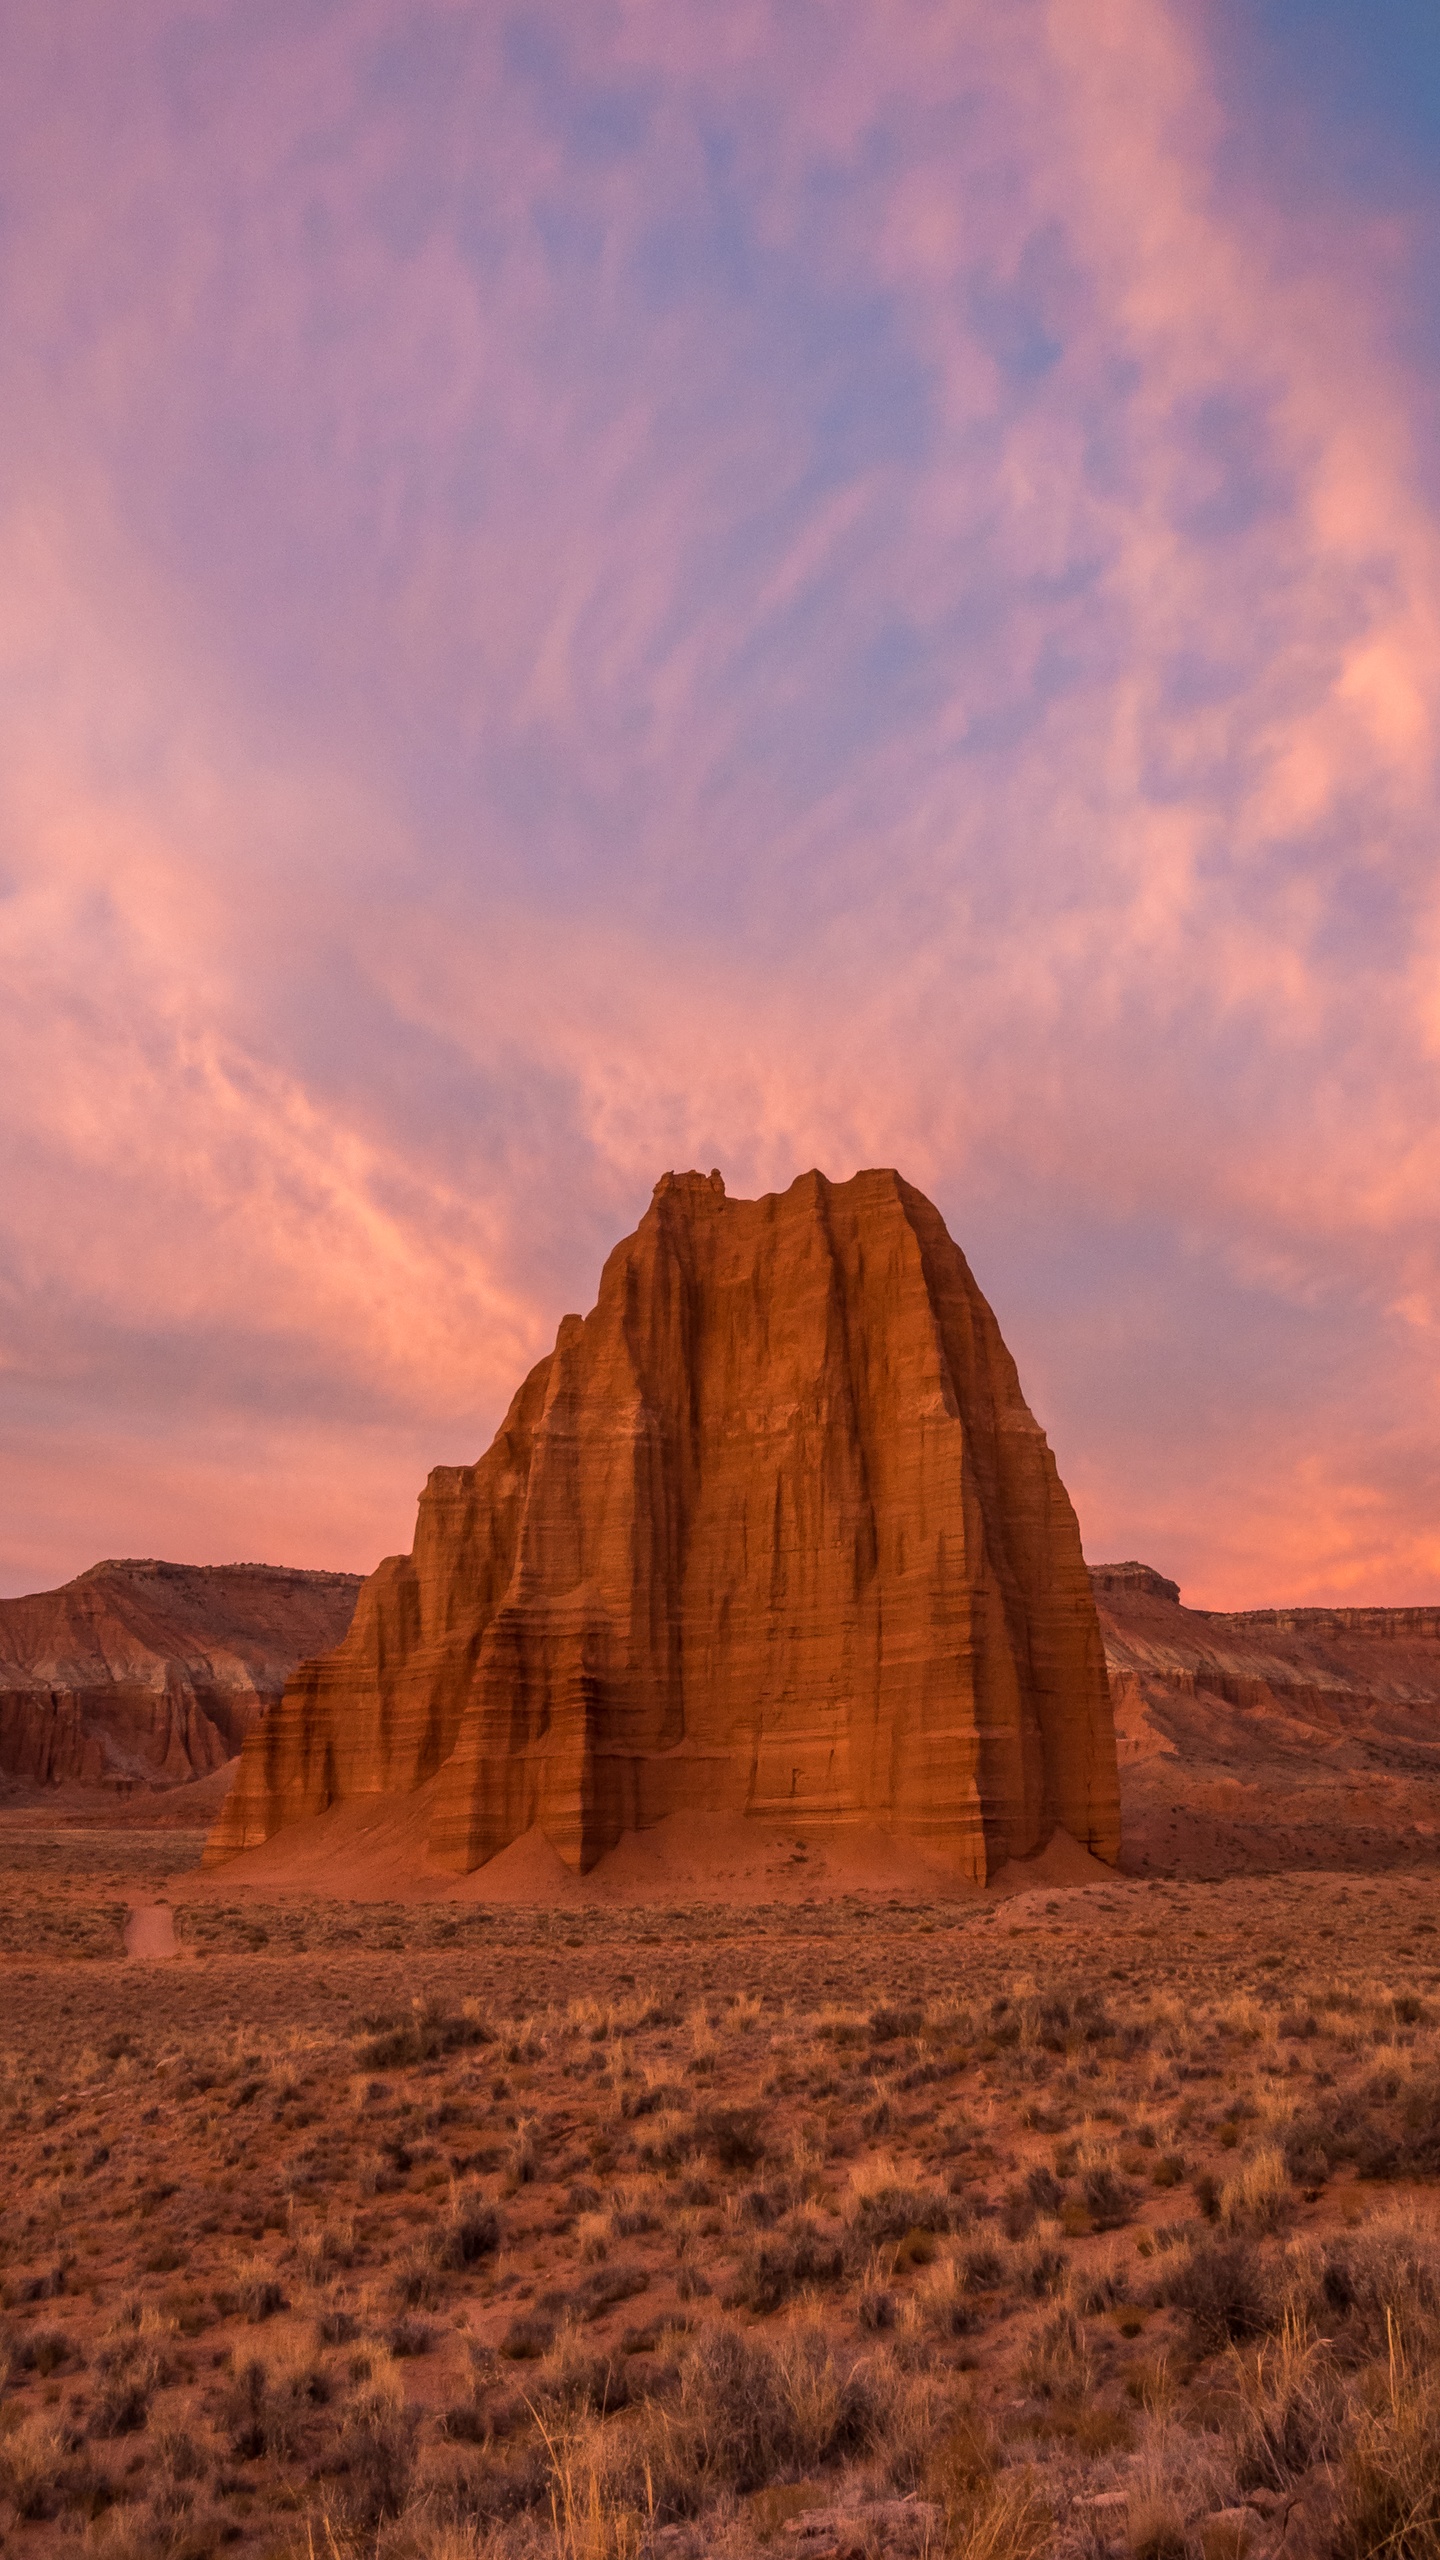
(772,1531)
(140,1673)
(1266,1739)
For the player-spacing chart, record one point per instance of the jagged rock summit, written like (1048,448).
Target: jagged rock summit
(772,1532)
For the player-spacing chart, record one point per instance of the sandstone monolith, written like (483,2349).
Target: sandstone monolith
(772,1531)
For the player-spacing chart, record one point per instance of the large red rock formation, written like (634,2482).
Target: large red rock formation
(772,1531)
(149,1674)
(1271,1738)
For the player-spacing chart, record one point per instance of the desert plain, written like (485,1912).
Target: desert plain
(1091,2213)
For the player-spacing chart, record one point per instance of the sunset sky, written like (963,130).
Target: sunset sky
(591,588)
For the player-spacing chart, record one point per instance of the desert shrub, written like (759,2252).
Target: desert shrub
(876,2306)
(1177,2477)
(428,2032)
(1044,2189)
(325,2247)
(46,2286)
(1293,2406)
(1384,2273)
(758,2412)
(409,2337)
(732,2136)
(254,2292)
(136,2360)
(1420,2126)
(666,2141)
(941,2300)
(599,2292)
(177,2454)
(415,2283)
(373,2460)
(529,2336)
(573,2379)
(469,2230)
(1109,2199)
(742,2414)
(772,2270)
(889,2210)
(33,2471)
(121,2406)
(1018,2212)
(40,2351)
(629,2221)
(269,2399)
(887,2025)
(1224,2289)
(1258,2197)
(1390,2130)
(1057,2364)
(1388,2491)
(769,2202)
(1042,2270)
(244,2413)
(658,2097)
(522,2157)
(983,2267)
(1313,2144)
(1007,2519)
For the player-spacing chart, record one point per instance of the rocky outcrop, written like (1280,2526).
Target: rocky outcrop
(1131,1581)
(1271,1738)
(772,1532)
(146,1674)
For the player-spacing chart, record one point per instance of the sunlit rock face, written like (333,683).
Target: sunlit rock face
(772,1530)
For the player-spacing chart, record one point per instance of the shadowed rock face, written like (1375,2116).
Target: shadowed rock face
(150,1674)
(772,1531)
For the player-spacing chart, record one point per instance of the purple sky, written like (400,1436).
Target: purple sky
(590,590)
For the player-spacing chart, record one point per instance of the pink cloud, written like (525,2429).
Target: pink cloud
(546,643)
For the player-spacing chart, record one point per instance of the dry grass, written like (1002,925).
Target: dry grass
(630,2234)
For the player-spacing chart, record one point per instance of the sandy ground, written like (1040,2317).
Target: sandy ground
(375,1849)
(150,1933)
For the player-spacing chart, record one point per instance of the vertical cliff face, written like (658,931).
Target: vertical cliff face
(772,1531)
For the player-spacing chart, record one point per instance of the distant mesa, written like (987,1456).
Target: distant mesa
(1134,1579)
(141,1675)
(1265,1739)
(770,1537)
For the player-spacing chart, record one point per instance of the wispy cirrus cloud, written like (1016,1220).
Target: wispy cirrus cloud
(587,591)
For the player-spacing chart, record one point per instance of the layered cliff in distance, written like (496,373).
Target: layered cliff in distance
(143,1674)
(771,1533)
(1271,1738)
